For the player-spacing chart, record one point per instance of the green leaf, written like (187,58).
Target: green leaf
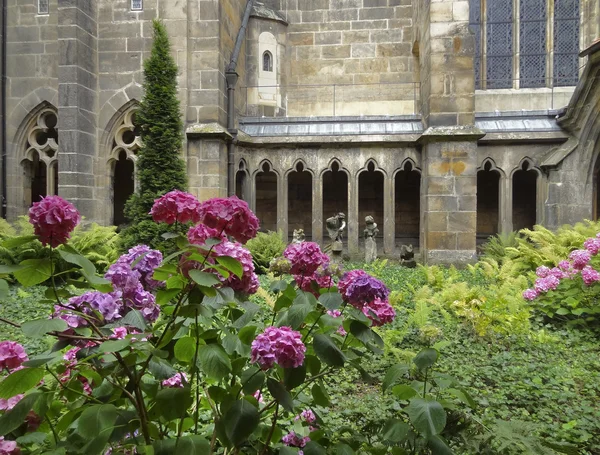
(134,318)
(3,289)
(18,241)
(14,418)
(32,438)
(41,360)
(313,448)
(203,278)
(185,348)
(40,327)
(327,351)
(343,449)
(563,311)
(361,331)
(296,314)
(20,381)
(320,395)
(463,396)
(173,403)
(427,416)
(231,264)
(439,446)
(215,361)
(96,419)
(164,296)
(395,431)
(293,377)
(277,389)
(240,421)
(252,380)
(426,358)
(278,286)
(404,392)
(34,271)
(161,369)
(313,364)
(246,334)
(72,256)
(331,300)
(114,345)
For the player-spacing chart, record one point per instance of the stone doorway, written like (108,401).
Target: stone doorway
(488,203)
(300,201)
(524,200)
(266,198)
(335,193)
(370,201)
(407,200)
(123,187)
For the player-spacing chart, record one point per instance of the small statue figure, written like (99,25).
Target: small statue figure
(335,227)
(407,256)
(298,236)
(371,232)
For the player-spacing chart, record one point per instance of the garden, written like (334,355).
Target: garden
(189,331)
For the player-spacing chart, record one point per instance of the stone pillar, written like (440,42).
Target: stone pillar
(505,205)
(282,205)
(77,102)
(352,220)
(389,216)
(448,196)
(317,210)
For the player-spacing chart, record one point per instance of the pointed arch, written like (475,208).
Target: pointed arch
(242,182)
(265,195)
(299,198)
(335,192)
(489,200)
(370,182)
(407,203)
(526,183)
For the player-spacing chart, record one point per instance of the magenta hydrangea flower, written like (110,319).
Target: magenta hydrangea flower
(307,416)
(558,273)
(542,271)
(177,380)
(8,447)
(592,245)
(530,294)
(564,266)
(259,397)
(379,311)
(543,285)
(358,288)
(579,258)
(12,355)
(53,220)
(249,283)
(231,216)
(280,345)
(590,275)
(305,258)
(176,206)
(313,283)
(7,405)
(200,233)
(293,440)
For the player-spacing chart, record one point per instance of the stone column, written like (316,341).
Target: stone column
(282,205)
(317,210)
(448,197)
(352,220)
(389,217)
(77,102)
(505,204)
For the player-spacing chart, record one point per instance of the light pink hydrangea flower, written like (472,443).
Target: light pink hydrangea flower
(592,245)
(293,440)
(530,294)
(249,283)
(280,345)
(53,220)
(177,380)
(8,447)
(543,285)
(200,233)
(542,271)
(7,405)
(307,416)
(590,275)
(12,355)
(230,215)
(579,258)
(176,206)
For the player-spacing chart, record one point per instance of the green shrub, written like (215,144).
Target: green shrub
(264,248)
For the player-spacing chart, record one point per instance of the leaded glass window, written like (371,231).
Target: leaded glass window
(499,43)
(43,7)
(475,26)
(532,43)
(137,5)
(566,42)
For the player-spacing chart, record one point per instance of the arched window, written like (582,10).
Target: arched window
(268,62)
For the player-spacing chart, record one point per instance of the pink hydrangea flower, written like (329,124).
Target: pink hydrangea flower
(8,447)
(7,405)
(307,416)
(590,275)
(176,206)
(178,380)
(592,245)
(305,258)
(280,345)
(200,233)
(230,215)
(12,355)
(558,273)
(543,285)
(359,288)
(579,258)
(530,294)
(53,220)
(313,283)
(564,265)
(293,440)
(249,283)
(379,311)
(542,271)
(259,397)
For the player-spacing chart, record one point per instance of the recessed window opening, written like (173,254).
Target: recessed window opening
(43,7)
(268,62)
(137,5)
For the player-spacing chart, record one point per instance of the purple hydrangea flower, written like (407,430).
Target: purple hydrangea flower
(592,245)
(178,380)
(359,288)
(543,285)
(280,345)
(530,294)
(305,257)
(293,440)
(307,416)
(579,258)
(249,283)
(590,275)
(542,271)
(108,305)
(12,355)
(122,277)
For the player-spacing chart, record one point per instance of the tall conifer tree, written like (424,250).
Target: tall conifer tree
(160,168)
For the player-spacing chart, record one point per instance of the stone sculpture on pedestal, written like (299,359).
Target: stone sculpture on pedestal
(407,256)
(335,227)
(371,232)
(298,236)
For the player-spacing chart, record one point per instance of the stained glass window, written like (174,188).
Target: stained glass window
(475,26)
(499,43)
(532,43)
(137,5)
(43,7)
(566,42)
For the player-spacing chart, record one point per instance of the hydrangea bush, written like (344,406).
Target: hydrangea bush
(165,355)
(571,289)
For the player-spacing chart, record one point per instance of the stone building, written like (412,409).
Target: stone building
(447,120)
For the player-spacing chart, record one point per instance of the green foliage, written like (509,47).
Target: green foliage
(160,167)
(264,248)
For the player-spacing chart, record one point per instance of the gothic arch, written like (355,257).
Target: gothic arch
(299,164)
(403,166)
(261,165)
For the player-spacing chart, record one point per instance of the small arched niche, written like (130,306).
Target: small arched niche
(242,182)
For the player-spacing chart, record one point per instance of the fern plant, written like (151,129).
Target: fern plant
(264,248)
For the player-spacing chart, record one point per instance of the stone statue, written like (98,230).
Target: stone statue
(371,232)
(298,236)
(335,227)
(407,256)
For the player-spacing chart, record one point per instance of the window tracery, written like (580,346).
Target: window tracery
(127,137)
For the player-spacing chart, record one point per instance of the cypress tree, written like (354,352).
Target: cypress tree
(160,168)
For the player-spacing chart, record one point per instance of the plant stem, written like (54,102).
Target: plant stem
(272,430)
(14,324)
(64,387)
(197,372)
(425,383)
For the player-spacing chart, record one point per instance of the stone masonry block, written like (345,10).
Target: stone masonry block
(466,240)
(437,221)
(441,240)
(376,13)
(441,203)
(328,38)
(363,50)
(440,186)
(462,221)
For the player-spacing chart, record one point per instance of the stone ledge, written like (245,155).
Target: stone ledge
(451,134)
(450,257)
(207,129)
